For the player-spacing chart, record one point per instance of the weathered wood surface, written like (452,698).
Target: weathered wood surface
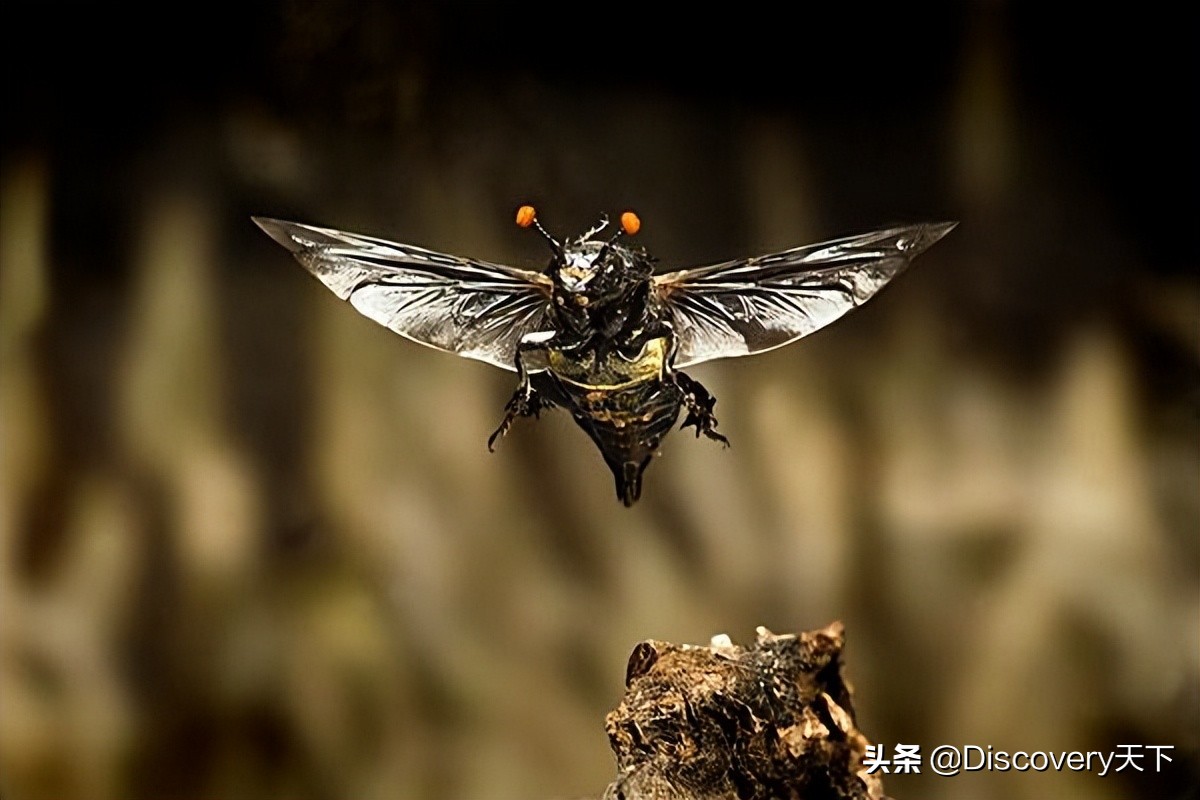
(773,720)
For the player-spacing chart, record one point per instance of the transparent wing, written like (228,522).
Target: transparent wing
(459,305)
(752,305)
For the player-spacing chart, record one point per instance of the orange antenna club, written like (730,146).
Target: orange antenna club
(526,216)
(630,223)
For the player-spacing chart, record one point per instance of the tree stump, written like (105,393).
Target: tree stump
(770,721)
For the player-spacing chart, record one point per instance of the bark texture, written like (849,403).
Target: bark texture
(773,720)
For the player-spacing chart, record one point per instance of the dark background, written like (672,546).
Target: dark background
(253,544)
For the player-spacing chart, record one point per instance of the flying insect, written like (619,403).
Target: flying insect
(597,332)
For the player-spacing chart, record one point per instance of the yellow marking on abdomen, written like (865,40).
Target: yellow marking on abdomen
(614,372)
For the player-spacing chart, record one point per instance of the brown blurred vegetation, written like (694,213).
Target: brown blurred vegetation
(252,545)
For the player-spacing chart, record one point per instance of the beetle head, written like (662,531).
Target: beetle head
(588,269)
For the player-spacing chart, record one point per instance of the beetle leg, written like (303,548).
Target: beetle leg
(699,405)
(525,401)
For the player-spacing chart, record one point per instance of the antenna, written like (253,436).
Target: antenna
(630,224)
(527,216)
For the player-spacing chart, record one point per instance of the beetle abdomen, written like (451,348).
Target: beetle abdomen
(628,425)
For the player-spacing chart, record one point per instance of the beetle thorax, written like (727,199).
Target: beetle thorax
(589,273)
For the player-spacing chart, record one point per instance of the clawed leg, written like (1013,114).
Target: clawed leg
(699,405)
(524,403)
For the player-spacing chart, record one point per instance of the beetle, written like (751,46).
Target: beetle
(597,332)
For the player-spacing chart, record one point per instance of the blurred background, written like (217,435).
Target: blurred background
(252,545)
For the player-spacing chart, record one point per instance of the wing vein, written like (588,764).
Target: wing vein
(737,308)
(472,308)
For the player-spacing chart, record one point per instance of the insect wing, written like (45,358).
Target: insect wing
(752,305)
(471,308)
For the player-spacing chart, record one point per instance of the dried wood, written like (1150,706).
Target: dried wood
(773,720)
